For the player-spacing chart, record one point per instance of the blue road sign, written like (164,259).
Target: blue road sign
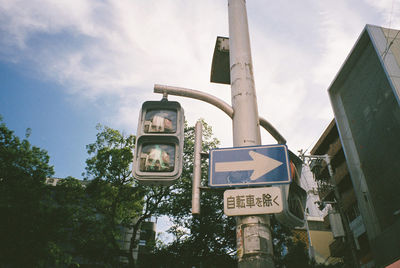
(249,166)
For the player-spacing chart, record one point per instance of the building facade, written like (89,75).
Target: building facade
(366,104)
(329,144)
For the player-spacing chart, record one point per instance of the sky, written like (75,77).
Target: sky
(67,65)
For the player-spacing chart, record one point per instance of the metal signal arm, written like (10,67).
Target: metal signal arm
(222,105)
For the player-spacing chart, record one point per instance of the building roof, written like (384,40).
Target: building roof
(386,43)
(316,150)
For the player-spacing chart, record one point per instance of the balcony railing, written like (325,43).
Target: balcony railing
(324,188)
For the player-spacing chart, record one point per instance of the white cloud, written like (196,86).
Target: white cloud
(111,53)
(389,10)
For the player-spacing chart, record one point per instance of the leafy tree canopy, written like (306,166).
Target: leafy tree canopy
(208,239)
(114,194)
(26,227)
(85,223)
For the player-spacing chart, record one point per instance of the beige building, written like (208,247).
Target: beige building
(317,237)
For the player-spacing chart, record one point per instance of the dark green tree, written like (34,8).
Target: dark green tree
(43,224)
(288,251)
(207,240)
(29,229)
(68,201)
(115,197)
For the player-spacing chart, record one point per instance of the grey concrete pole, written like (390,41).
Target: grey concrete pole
(246,130)
(253,232)
(198,134)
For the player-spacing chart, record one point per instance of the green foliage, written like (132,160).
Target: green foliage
(289,251)
(72,222)
(29,228)
(21,160)
(115,197)
(79,222)
(208,239)
(111,156)
(112,200)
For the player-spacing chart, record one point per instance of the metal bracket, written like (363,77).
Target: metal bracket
(165,96)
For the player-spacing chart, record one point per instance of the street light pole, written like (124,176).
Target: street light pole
(254,239)
(246,130)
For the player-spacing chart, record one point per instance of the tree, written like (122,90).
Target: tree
(288,252)
(81,223)
(124,203)
(42,225)
(206,240)
(209,240)
(117,199)
(28,226)
(67,204)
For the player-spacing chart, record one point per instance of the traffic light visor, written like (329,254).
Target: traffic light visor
(160,121)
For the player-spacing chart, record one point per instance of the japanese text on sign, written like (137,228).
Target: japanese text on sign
(243,201)
(249,201)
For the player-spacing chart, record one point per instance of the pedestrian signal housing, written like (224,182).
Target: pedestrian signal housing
(294,197)
(159,143)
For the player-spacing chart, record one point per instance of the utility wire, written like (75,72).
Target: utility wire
(390,25)
(390,44)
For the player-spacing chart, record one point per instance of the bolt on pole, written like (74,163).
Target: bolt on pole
(253,232)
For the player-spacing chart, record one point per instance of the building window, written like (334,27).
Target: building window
(352,212)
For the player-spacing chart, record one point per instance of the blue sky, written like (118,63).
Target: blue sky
(57,125)
(67,65)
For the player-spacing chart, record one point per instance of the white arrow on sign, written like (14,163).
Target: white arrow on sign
(261,164)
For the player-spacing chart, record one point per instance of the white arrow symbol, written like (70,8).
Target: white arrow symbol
(261,164)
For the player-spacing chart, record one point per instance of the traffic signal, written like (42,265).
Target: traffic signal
(159,143)
(294,196)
